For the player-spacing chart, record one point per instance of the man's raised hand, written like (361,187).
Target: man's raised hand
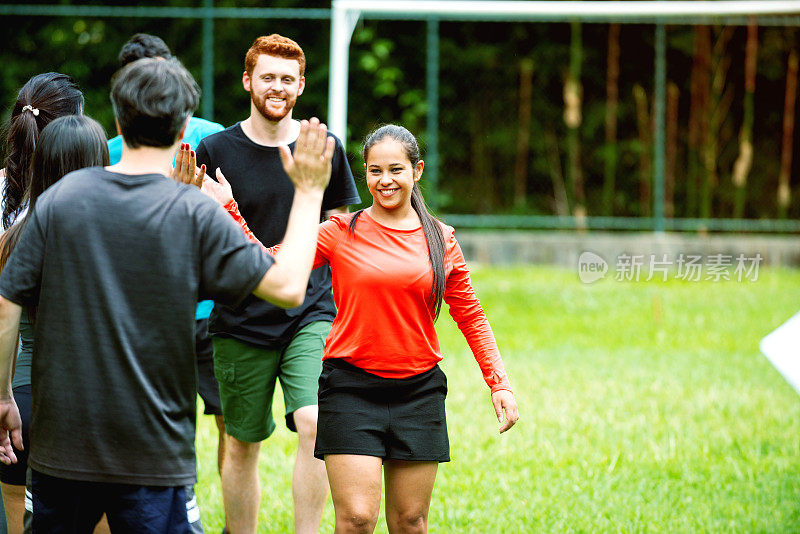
(310,166)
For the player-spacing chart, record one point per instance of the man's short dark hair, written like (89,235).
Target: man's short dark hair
(143,45)
(152,99)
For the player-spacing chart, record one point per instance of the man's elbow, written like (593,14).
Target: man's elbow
(291,298)
(283,287)
(282,295)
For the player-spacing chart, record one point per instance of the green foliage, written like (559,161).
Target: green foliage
(479,93)
(645,407)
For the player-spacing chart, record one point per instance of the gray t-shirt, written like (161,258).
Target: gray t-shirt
(117,264)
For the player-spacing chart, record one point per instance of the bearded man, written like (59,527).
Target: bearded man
(256,344)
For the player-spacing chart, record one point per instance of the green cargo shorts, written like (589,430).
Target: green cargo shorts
(247,375)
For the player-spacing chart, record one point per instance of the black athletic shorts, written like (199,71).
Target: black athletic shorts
(14,474)
(207,385)
(62,505)
(390,418)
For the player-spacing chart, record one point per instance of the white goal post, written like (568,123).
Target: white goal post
(345,15)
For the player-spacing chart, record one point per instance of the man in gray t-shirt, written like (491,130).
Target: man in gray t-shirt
(116,260)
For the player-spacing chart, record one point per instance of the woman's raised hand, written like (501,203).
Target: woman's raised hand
(185,170)
(219,190)
(310,166)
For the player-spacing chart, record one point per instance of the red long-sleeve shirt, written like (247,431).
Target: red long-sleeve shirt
(381,281)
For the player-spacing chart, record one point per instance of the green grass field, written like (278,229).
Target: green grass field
(645,407)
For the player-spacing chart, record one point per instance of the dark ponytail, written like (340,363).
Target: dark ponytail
(67,144)
(43,98)
(430,224)
(23,131)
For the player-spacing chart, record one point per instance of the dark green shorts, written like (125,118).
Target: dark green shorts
(247,375)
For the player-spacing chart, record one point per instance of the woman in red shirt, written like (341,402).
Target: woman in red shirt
(381,392)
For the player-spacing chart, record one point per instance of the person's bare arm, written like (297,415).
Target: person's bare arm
(309,168)
(9,413)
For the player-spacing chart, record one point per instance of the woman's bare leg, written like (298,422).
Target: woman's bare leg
(409,486)
(356,491)
(14,502)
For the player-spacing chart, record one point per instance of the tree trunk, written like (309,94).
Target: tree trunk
(719,103)
(784,191)
(483,180)
(560,201)
(698,115)
(523,132)
(744,161)
(671,152)
(572,119)
(612,100)
(645,141)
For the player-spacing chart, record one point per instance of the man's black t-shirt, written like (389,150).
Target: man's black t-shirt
(264,193)
(117,264)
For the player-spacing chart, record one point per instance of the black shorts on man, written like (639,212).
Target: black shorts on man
(128,508)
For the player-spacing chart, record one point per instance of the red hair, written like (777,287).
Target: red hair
(274,45)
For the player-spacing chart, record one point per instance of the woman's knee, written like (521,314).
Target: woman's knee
(356,519)
(409,520)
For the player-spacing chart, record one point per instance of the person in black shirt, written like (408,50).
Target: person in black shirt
(116,259)
(257,344)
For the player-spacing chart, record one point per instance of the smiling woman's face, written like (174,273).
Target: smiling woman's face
(390,175)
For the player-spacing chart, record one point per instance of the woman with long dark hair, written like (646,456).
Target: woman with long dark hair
(381,392)
(68,143)
(42,99)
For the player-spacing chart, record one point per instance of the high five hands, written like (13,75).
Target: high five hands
(309,167)
(186,171)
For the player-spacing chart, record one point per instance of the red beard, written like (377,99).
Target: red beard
(272,116)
